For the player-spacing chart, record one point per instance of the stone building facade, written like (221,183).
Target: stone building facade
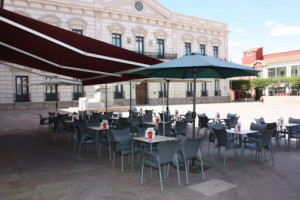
(144,26)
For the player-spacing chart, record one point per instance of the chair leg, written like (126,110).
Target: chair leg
(142,174)
(208,148)
(168,170)
(113,164)
(79,150)
(186,172)
(262,159)
(122,163)
(75,147)
(178,174)
(202,170)
(225,157)
(271,151)
(213,156)
(160,179)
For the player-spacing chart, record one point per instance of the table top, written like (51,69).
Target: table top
(220,118)
(97,128)
(289,124)
(242,132)
(68,121)
(150,123)
(157,139)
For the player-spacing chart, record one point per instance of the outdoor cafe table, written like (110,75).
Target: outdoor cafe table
(99,130)
(288,126)
(242,133)
(156,139)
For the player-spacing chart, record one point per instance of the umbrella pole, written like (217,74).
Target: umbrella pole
(163,88)
(105,97)
(194,103)
(130,99)
(56,103)
(168,81)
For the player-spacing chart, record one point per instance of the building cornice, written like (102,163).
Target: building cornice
(195,24)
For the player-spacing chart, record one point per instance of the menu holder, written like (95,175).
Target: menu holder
(150,133)
(141,110)
(176,113)
(218,115)
(238,127)
(104,124)
(280,121)
(157,119)
(75,117)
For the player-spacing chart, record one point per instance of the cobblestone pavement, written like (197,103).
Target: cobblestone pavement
(31,167)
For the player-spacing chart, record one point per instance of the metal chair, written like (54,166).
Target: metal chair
(82,135)
(223,140)
(180,128)
(168,129)
(166,154)
(123,145)
(44,121)
(261,142)
(191,150)
(202,124)
(212,135)
(295,131)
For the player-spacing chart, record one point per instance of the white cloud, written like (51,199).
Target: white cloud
(269,23)
(282,29)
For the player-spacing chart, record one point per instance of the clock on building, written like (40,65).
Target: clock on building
(139,6)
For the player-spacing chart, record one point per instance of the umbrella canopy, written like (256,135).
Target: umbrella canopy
(206,67)
(32,43)
(57,82)
(196,66)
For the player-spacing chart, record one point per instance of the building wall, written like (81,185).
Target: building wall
(99,19)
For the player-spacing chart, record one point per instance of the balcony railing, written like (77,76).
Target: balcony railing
(166,56)
(22,97)
(51,96)
(217,92)
(189,93)
(162,94)
(77,95)
(204,93)
(119,95)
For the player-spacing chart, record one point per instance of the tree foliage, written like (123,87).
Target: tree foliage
(289,82)
(240,84)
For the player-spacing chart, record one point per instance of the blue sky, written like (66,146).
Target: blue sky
(273,24)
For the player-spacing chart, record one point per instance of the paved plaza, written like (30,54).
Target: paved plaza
(32,168)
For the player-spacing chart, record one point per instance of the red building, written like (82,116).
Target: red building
(276,65)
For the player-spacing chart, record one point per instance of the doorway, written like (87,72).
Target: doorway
(22,89)
(141,94)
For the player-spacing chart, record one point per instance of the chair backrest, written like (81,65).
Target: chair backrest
(77,133)
(82,115)
(229,115)
(212,135)
(51,114)
(105,117)
(168,128)
(62,117)
(221,136)
(148,114)
(93,124)
(40,117)
(233,121)
(123,123)
(272,127)
(180,127)
(141,131)
(294,120)
(81,124)
(191,147)
(165,116)
(266,137)
(167,151)
(203,120)
(258,127)
(121,135)
(260,120)
(188,117)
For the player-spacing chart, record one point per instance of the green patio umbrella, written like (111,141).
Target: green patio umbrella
(196,66)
